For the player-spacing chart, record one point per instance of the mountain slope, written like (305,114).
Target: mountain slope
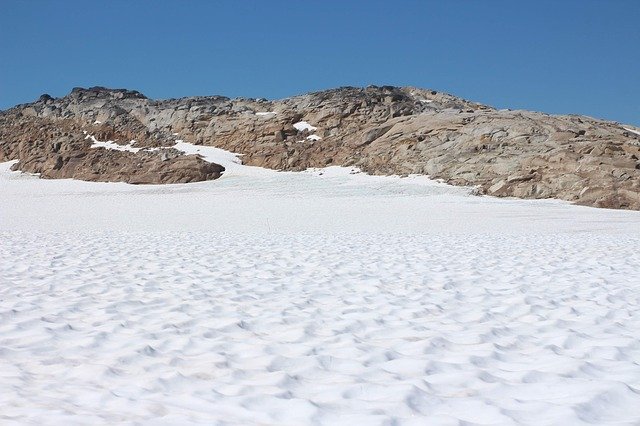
(382,130)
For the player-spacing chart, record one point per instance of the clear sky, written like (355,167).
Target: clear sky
(558,56)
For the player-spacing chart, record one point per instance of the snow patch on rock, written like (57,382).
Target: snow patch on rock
(301,126)
(112,145)
(208,153)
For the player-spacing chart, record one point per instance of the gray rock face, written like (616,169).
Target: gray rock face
(382,130)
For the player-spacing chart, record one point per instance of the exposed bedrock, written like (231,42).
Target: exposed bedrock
(382,130)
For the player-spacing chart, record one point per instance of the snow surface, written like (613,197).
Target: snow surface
(637,132)
(209,153)
(266,113)
(314,138)
(112,145)
(303,125)
(323,297)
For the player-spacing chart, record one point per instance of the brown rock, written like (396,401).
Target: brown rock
(382,130)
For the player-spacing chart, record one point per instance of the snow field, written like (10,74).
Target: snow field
(336,329)
(323,297)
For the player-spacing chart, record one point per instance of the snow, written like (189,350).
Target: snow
(321,297)
(266,113)
(112,145)
(637,132)
(208,153)
(314,138)
(425,101)
(301,126)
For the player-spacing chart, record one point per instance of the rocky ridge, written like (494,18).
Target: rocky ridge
(382,130)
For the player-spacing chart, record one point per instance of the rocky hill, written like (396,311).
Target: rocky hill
(381,130)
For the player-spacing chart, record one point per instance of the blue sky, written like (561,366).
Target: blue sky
(561,56)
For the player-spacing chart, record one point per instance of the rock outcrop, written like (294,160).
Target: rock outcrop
(382,130)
